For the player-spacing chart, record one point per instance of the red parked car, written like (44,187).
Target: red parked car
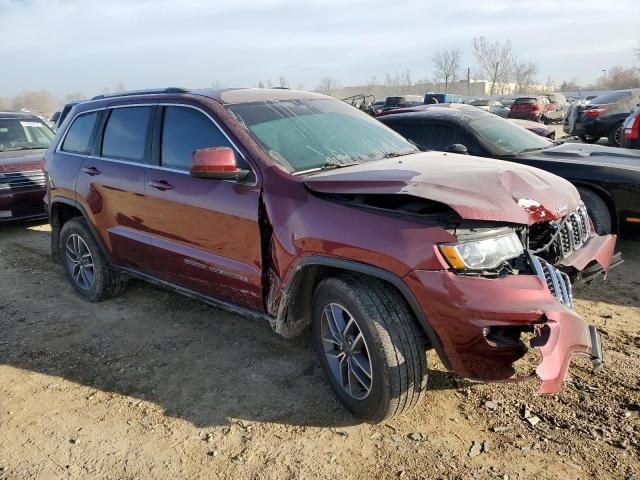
(631,130)
(23,141)
(300,210)
(536,108)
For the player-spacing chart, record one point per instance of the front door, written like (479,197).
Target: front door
(206,232)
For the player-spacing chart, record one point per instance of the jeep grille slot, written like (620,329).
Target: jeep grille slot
(558,282)
(574,231)
(27,179)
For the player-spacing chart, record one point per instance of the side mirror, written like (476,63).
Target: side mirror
(458,148)
(217,162)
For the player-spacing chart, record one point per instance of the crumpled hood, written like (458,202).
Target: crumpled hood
(476,188)
(21,160)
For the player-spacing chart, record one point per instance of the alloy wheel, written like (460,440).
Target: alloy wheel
(346,351)
(617,136)
(80,262)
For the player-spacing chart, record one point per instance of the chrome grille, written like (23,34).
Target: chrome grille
(574,231)
(17,180)
(558,282)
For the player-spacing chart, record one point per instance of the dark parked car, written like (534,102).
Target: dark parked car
(603,116)
(300,210)
(23,141)
(631,130)
(536,108)
(608,178)
(391,103)
(58,117)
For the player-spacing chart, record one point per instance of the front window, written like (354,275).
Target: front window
(308,134)
(24,134)
(502,137)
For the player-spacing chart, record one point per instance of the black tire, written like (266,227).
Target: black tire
(597,210)
(615,136)
(393,339)
(107,282)
(589,138)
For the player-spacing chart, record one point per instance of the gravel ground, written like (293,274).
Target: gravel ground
(152,385)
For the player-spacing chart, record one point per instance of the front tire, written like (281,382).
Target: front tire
(369,345)
(86,268)
(597,210)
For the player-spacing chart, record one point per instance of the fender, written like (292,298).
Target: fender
(78,206)
(291,281)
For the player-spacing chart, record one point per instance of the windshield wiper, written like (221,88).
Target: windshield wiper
(336,164)
(399,154)
(24,148)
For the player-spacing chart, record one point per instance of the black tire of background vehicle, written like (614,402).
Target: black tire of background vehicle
(615,135)
(589,138)
(597,210)
(108,281)
(394,339)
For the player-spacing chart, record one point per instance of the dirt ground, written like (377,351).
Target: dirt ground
(152,385)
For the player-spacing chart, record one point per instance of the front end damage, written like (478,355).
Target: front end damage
(483,317)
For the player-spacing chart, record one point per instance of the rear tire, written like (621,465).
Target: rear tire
(86,268)
(393,340)
(615,136)
(597,210)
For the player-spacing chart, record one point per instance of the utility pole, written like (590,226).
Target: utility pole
(468,81)
(604,82)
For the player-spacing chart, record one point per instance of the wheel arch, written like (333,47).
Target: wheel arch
(294,309)
(63,209)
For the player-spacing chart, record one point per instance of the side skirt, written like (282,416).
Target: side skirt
(214,302)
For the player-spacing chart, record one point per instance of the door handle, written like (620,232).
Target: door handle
(91,171)
(160,185)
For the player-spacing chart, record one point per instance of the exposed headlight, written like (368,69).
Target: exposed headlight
(484,253)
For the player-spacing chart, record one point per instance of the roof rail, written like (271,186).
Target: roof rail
(142,92)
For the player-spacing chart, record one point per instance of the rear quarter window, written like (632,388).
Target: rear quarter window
(80,133)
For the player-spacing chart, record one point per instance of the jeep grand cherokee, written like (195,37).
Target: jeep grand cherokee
(298,209)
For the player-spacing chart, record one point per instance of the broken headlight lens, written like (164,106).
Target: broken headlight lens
(483,253)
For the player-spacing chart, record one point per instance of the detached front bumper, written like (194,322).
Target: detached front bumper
(479,321)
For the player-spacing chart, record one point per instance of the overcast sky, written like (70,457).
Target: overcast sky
(85,45)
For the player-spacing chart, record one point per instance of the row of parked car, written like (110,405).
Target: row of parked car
(437,226)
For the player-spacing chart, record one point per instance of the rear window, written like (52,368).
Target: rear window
(610,98)
(78,137)
(125,136)
(526,101)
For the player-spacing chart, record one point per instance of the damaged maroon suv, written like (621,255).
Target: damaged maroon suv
(300,210)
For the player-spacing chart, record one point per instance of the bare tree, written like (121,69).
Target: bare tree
(269,83)
(327,84)
(299,86)
(283,82)
(524,74)
(260,84)
(618,78)
(406,81)
(373,81)
(447,65)
(570,85)
(120,87)
(495,60)
(40,102)
(217,84)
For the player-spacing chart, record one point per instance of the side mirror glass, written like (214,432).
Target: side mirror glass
(217,163)
(458,148)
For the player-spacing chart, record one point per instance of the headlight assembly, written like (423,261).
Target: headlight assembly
(484,253)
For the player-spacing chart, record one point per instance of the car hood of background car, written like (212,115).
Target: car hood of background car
(21,160)
(588,154)
(476,188)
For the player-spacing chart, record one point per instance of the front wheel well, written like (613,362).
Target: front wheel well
(294,309)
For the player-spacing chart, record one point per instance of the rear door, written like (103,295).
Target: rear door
(206,232)
(112,179)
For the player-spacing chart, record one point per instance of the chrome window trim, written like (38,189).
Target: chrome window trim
(155,167)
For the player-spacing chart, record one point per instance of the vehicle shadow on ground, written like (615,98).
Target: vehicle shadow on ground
(197,363)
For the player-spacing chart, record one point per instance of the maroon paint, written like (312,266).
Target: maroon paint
(24,202)
(205,234)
